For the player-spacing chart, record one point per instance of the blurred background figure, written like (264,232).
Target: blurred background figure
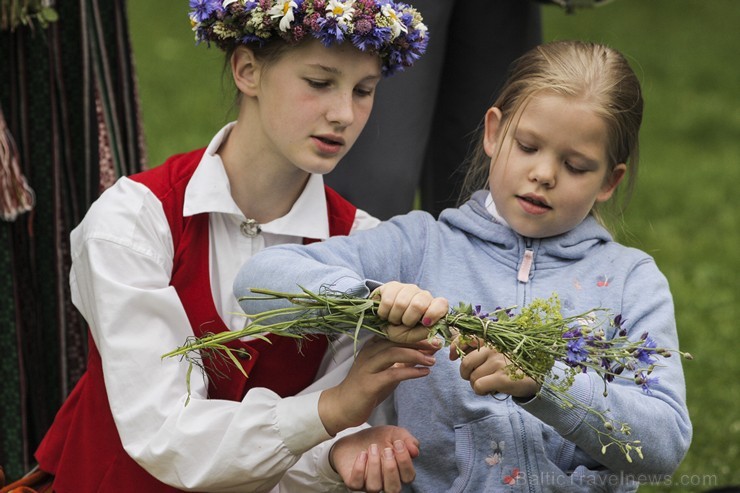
(424,119)
(69,127)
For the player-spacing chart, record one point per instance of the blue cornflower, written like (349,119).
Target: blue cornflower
(576,351)
(330,31)
(252,38)
(644,352)
(644,381)
(373,39)
(573,333)
(250,5)
(201,10)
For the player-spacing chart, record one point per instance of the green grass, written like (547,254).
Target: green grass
(685,210)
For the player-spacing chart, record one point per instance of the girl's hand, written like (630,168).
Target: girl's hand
(375,459)
(405,306)
(486,370)
(377,369)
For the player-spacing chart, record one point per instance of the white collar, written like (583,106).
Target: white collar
(491,208)
(209,191)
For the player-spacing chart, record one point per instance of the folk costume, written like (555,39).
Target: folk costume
(153,263)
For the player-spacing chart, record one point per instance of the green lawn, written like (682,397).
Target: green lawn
(684,213)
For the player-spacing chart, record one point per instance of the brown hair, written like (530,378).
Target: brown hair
(585,70)
(268,53)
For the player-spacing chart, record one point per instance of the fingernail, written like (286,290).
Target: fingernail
(398,445)
(388,453)
(426,321)
(373,449)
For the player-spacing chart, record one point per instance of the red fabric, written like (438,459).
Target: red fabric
(82,448)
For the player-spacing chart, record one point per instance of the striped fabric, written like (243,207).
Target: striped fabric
(68,98)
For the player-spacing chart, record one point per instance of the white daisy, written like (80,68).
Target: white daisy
(340,10)
(395,23)
(283,9)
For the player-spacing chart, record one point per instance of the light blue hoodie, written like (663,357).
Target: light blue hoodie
(477,443)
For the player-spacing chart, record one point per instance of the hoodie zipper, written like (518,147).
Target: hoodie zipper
(527,261)
(525,269)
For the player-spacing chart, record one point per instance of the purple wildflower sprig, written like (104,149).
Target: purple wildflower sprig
(533,339)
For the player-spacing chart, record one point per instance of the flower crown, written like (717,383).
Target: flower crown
(392,30)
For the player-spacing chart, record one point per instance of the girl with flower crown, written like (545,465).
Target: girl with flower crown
(558,142)
(154,260)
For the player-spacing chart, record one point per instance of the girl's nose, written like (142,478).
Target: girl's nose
(544,172)
(341,110)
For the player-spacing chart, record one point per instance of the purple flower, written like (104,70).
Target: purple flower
(372,40)
(250,5)
(644,352)
(507,314)
(573,333)
(644,381)
(330,31)
(576,351)
(251,38)
(201,10)
(619,324)
(478,312)
(363,26)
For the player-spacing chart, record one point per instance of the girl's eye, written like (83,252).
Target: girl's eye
(525,148)
(573,169)
(317,84)
(363,92)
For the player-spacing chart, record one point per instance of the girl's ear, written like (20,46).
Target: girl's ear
(245,68)
(492,123)
(611,182)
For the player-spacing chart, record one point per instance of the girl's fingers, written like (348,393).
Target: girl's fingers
(487,384)
(391,475)
(356,480)
(436,309)
(385,354)
(407,304)
(473,360)
(373,472)
(404,461)
(403,334)
(387,295)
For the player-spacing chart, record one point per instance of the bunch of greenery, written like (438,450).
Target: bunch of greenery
(533,340)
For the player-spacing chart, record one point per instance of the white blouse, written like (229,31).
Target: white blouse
(122,255)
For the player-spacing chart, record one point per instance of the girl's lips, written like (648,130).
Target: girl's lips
(531,205)
(328,144)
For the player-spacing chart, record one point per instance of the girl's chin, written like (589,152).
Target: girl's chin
(531,231)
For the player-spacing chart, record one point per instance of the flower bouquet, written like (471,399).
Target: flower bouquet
(533,340)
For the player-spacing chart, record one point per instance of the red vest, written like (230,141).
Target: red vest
(82,448)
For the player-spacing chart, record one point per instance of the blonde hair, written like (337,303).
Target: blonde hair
(590,71)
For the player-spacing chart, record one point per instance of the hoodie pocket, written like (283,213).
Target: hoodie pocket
(487,456)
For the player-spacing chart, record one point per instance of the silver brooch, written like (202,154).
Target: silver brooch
(250,228)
